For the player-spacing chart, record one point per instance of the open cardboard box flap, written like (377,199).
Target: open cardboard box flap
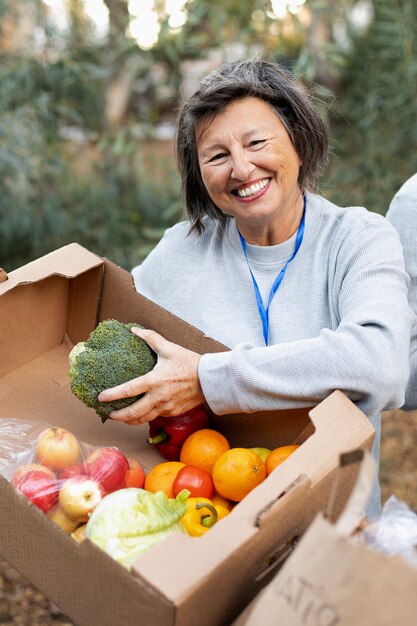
(323,581)
(46,307)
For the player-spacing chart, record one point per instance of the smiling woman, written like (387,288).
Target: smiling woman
(309,297)
(291,120)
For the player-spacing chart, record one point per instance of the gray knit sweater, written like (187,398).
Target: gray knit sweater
(402,213)
(340,319)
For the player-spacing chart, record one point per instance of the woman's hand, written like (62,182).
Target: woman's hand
(171,387)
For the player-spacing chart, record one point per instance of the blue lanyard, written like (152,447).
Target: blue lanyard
(264,311)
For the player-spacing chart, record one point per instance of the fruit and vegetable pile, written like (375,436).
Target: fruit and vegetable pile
(124,508)
(115,501)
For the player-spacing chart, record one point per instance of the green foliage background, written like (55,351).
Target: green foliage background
(375,128)
(366,85)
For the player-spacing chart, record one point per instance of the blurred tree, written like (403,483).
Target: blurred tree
(375,129)
(18,20)
(79,24)
(211,24)
(51,116)
(118,19)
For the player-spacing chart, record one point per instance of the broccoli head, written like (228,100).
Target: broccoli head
(111,355)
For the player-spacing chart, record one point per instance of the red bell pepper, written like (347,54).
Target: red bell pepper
(169,433)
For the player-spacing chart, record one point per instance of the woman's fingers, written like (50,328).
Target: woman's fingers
(154,341)
(169,389)
(136,413)
(131,388)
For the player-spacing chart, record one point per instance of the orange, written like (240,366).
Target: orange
(202,448)
(236,472)
(277,456)
(162,476)
(222,505)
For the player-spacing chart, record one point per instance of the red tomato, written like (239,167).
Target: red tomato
(198,482)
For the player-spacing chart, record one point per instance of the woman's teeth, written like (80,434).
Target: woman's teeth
(253,189)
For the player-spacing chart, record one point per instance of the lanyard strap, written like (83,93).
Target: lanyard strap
(264,311)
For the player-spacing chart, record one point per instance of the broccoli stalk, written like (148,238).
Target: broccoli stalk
(111,355)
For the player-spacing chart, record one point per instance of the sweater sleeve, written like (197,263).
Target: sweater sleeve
(403,215)
(365,355)
(150,274)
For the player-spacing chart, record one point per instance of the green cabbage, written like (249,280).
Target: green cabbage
(130,521)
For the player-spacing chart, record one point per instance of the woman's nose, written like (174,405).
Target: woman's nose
(242,166)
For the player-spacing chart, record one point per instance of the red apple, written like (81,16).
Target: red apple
(79,496)
(108,466)
(58,516)
(135,474)
(40,488)
(57,448)
(29,468)
(73,470)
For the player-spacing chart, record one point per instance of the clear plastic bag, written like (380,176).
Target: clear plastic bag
(61,475)
(395,532)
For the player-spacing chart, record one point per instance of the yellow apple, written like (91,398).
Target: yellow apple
(57,448)
(58,516)
(79,496)
(79,533)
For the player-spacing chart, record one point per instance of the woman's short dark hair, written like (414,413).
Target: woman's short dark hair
(233,81)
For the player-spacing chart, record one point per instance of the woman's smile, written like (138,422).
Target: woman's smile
(252,190)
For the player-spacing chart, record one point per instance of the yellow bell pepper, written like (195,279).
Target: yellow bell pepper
(201,515)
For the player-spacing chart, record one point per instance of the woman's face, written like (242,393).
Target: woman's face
(250,169)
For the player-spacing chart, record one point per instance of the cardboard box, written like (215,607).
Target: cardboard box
(333,580)
(54,302)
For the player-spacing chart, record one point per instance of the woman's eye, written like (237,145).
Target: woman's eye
(217,157)
(257,142)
